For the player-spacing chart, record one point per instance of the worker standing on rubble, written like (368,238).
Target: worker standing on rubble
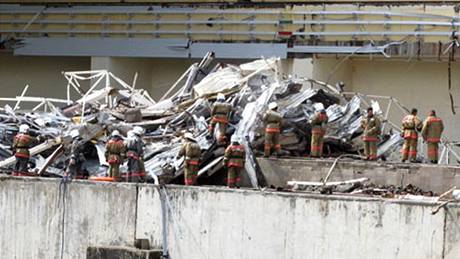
(192,152)
(272,120)
(318,130)
(234,161)
(410,125)
(22,142)
(219,116)
(74,169)
(371,134)
(115,153)
(135,152)
(431,132)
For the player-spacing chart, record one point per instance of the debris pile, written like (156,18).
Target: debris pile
(363,186)
(110,103)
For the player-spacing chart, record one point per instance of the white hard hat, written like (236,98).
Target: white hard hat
(131,134)
(74,133)
(272,105)
(189,136)
(456,194)
(138,130)
(318,106)
(220,97)
(24,128)
(115,133)
(235,138)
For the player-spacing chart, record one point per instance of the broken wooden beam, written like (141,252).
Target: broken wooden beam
(33,151)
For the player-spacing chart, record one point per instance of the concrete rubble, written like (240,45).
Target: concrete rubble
(110,103)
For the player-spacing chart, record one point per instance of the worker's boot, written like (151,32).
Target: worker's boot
(267,150)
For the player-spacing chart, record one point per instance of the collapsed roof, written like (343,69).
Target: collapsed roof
(110,103)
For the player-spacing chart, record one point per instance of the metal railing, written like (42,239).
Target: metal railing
(205,24)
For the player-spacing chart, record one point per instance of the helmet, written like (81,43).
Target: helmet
(74,133)
(318,106)
(456,194)
(115,133)
(138,131)
(341,83)
(131,134)
(235,138)
(272,105)
(220,97)
(24,128)
(189,136)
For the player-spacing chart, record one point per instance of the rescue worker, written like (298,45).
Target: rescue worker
(219,116)
(272,120)
(192,152)
(371,133)
(431,132)
(410,125)
(74,169)
(22,142)
(318,130)
(234,159)
(115,153)
(134,152)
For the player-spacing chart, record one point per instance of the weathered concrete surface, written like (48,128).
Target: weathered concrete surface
(214,222)
(436,178)
(95,214)
(117,252)
(220,223)
(452,232)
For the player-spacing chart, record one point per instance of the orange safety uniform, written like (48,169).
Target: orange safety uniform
(74,168)
(318,130)
(431,132)
(272,120)
(371,135)
(410,125)
(219,116)
(234,158)
(134,154)
(192,153)
(22,142)
(115,154)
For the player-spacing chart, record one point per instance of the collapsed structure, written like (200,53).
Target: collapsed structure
(110,103)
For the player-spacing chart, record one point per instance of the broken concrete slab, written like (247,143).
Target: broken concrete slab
(437,178)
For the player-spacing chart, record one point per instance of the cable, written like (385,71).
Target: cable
(62,197)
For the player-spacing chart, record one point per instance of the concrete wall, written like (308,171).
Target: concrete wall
(95,214)
(42,74)
(154,75)
(210,222)
(420,84)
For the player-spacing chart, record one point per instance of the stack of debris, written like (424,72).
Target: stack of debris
(111,103)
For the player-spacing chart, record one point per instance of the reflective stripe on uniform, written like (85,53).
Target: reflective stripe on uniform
(272,130)
(433,140)
(193,162)
(221,120)
(370,138)
(231,164)
(316,148)
(133,155)
(113,161)
(21,155)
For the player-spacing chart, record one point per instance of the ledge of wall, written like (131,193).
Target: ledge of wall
(215,222)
